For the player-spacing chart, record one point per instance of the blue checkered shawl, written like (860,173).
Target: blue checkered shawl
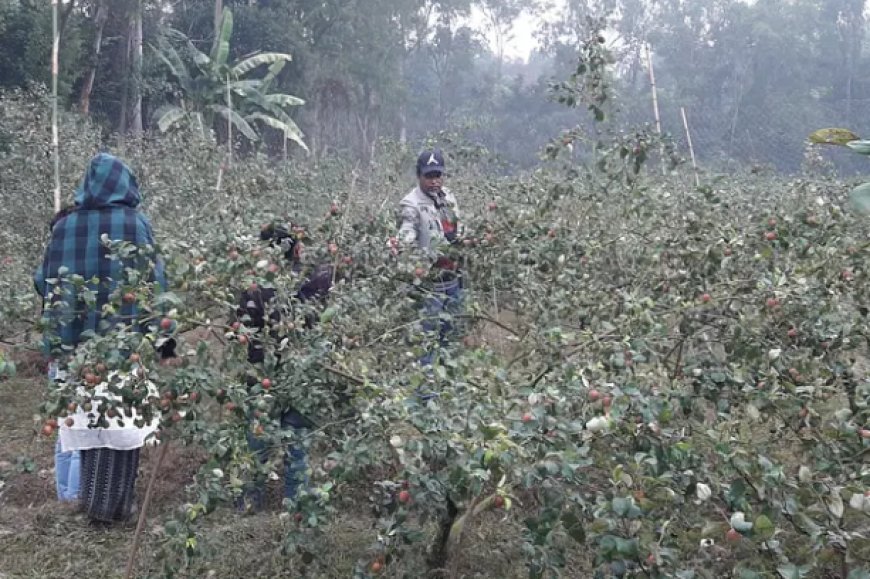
(106,206)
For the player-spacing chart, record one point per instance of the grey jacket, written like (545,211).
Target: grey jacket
(421,220)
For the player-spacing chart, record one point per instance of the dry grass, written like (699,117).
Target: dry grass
(41,538)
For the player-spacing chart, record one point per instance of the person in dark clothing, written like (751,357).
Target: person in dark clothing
(257,310)
(106,207)
(64,211)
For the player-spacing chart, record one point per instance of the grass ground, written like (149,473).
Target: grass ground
(41,538)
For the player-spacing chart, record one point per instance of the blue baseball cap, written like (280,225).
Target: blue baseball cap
(430,161)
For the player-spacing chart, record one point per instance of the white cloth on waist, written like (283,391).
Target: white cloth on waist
(85,435)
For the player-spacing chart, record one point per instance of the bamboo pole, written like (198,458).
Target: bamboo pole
(655,100)
(691,148)
(55,68)
(229,124)
(143,514)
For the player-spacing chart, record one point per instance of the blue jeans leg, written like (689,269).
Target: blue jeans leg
(253,493)
(448,301)
(433,305)
(295,458)
(67,467)
(454,302)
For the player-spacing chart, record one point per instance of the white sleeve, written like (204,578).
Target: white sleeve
(410,223)
(460,224)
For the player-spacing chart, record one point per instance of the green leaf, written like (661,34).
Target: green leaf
(492,430)
(621,506)
(172,60)
(791,571)
(221,48)
(288,127)
(627,547)
(859,199)
(763,528)
(861,147)
(737,493)
(574,526)
(253,62)
(328,314)
(833,137)
(274,71)
(237,121)
(168,116)
(283,100)
(244,88)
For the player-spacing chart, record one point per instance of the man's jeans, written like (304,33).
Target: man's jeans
(295,460)
(67,469)
(447,298)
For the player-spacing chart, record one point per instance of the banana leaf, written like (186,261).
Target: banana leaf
(833,136)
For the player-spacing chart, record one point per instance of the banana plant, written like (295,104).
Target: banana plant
(859,197)
(210,87)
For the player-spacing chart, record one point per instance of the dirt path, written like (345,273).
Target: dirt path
(40,538)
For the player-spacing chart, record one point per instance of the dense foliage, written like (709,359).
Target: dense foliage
(669,378)
(743,71)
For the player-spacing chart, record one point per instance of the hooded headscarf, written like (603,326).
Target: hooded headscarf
(106,207)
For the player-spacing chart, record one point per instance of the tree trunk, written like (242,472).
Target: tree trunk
(403,122)
(55,71)
(88,86)
(136,78)
(125,87)
(64,20)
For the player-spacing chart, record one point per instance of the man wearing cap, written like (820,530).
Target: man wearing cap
(430,223)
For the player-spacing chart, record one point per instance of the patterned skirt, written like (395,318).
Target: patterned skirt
(108,483)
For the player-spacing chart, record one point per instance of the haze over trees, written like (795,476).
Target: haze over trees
(752,77)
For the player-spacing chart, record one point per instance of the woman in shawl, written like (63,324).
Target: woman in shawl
(106,208)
